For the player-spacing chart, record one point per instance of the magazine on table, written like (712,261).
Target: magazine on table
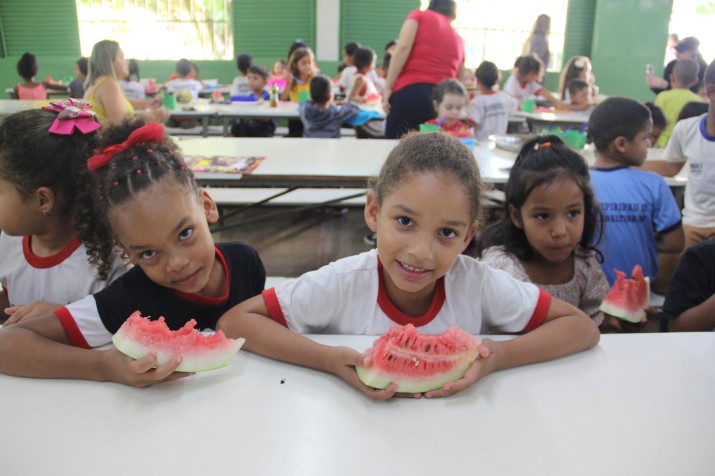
(223,164)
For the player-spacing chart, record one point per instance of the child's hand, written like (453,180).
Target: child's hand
(117,367)
(344,360)
(614,324)
(484,364)
(29,311)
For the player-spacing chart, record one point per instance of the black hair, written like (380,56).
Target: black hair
(541,161)
(243,62)
(528,64)
(487,74)
(82,64)
(451,86)
(123,177)
(431,152)
(656,114)
(693,109)
(27,66)
(447,8)
(350,48)
(686,71)
(341,67)
(259,70)
(386,61)
(390,44)
(576,85)
(709,77)
(183,67)
(320,88)
(298,43)
(362,57)
(133,68)
(616,117)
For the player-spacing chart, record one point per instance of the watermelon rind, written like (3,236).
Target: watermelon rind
(199,352)
(633,315)
(417,362)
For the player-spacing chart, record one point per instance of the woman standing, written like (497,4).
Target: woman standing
(538,42)
(428,51)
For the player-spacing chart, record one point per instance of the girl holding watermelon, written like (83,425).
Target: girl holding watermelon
(550,226)
(424,209)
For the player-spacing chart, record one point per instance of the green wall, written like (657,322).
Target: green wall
(621,36)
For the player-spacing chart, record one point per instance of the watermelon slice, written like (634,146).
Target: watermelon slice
(139,336)
(418,362)
(628,298)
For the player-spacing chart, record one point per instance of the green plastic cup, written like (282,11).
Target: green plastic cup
(528,105)
(170,101)
(575,139)
(429,128)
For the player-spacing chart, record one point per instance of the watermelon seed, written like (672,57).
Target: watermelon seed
(389,357)
(283,381)
(427,347)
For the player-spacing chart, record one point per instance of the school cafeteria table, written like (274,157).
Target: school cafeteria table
(11,106)
(636,404)
(539,121)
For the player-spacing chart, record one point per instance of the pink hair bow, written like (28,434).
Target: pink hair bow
(149,132)
(73,113)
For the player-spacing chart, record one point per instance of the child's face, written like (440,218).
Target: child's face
(279,69)
(305,66)
(422,226)
(77,72)
(580,97)
(451,107)
(528,77)
(256,83)
(165,231)
(18,216)
(552,219)
(635,151)
(655,133)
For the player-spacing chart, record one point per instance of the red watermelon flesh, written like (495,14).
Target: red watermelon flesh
(628,298)
(139,336)
(418,362)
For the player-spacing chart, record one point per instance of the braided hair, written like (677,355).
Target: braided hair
(126,174)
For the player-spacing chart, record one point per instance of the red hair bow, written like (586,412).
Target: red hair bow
(73,114)
(150,132)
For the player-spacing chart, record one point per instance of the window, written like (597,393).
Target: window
(694,18)
(159,29)
(494,32)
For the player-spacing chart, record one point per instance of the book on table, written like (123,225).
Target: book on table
(223,164)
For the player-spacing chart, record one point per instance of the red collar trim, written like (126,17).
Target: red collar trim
(44,262)
(522,85)
(399,317)
(209,300)
(489,93)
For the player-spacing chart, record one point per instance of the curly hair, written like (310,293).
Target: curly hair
(536,166)
(433,152)
(27,66)
(124,176)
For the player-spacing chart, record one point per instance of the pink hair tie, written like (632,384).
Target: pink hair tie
(73,114)
(150,132)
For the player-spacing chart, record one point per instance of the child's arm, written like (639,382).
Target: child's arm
(357,87)
(666,169)
(699,318)
(264,336)
(41,348)
(285,94)
(671,242)
(551,98)
(29,311)
(566,330)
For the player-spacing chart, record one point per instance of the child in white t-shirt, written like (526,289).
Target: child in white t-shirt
(489,110)
(184,82)
(523,84)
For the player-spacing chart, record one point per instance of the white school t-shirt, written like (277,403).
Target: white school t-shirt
(490,112)
(184,84)
(690,142)
(64,277)
(522,91)
(348,297)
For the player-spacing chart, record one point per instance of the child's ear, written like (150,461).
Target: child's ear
(46,200)
(470,235)
(372,209)
(435,105)
(515,217)
(620,143)
(710,92)
(209,206)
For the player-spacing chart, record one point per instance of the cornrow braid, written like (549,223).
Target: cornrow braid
(123,177)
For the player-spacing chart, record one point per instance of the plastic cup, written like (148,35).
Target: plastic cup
(528,105)
(429,128)
(303,96)
(170,102)
(575,139)
(468,141)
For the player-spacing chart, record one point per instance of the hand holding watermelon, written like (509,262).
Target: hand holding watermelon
(143,372)
(627,302)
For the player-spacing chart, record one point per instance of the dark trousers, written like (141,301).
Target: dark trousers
(409,107)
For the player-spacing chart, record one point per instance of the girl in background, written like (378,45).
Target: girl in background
(550,226)
(301,68)
(523,82)
(30,89)
(43,264)
(450,98)
(133,89)
(577,67)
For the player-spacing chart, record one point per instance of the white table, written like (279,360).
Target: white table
(635,405)
(556,119)
(11,106)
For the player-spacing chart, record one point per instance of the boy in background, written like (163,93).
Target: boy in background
(489,111)
(361,88)
(523,82)
(693,141)
(183,81)
(691,295)
(685,75)
(642,218)
(80,75)
(320,117)
(257,77)
(240,87)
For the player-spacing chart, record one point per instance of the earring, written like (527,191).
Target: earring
(47,212)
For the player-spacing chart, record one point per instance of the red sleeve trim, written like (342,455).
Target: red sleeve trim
(543,303)
(71,328)
(538,91)
(274,307)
